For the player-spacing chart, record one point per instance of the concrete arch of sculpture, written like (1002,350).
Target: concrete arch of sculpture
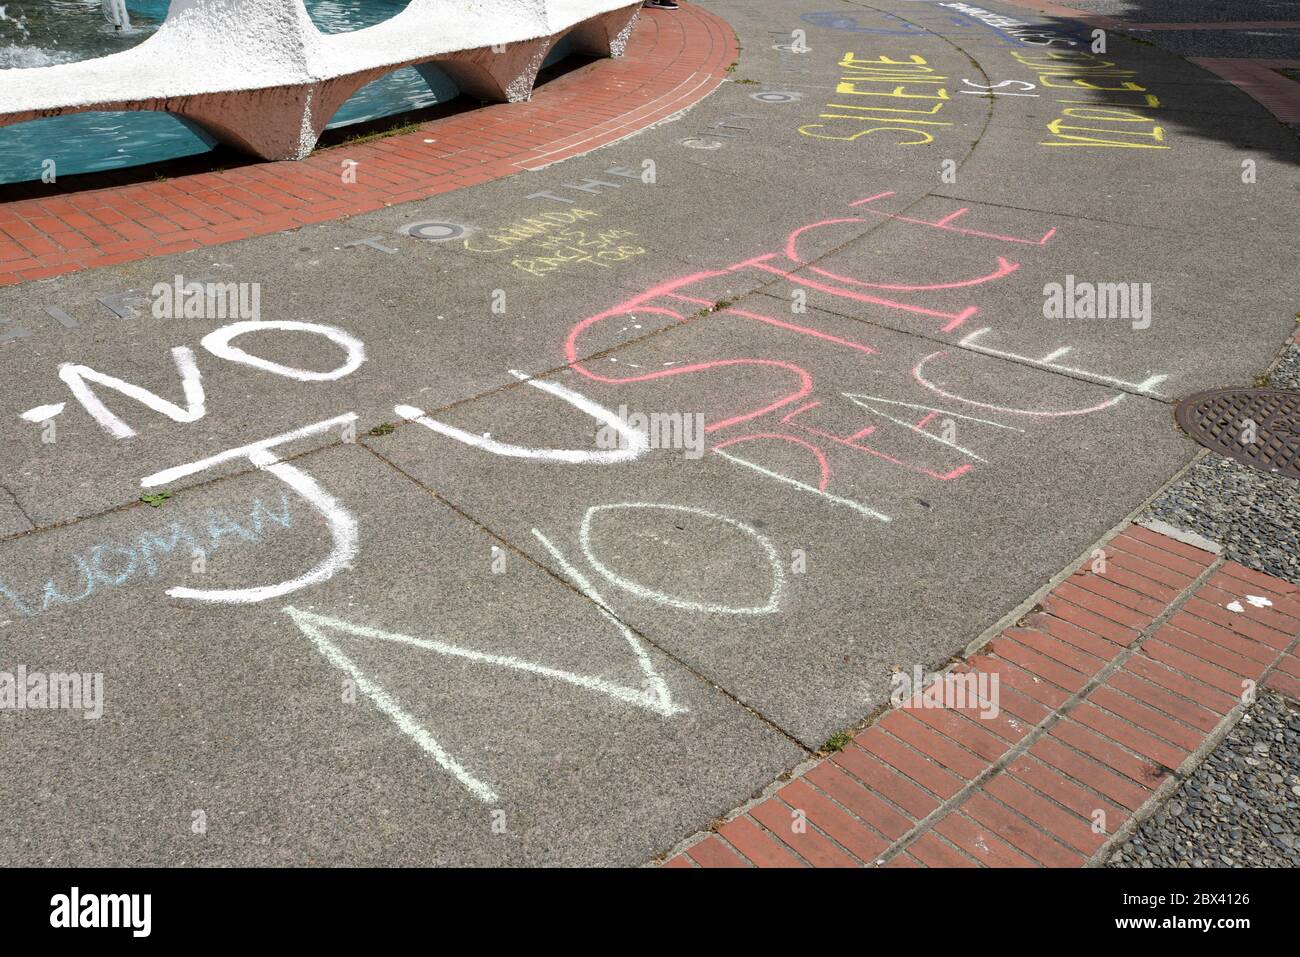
(259,76)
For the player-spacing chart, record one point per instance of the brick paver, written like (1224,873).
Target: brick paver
(1129,665)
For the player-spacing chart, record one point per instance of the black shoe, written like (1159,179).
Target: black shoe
(662,4)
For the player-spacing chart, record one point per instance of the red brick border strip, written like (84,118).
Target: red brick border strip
(1260,79)
(1107,692)
(672,61)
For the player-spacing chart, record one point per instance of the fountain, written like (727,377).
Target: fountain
(116,14)
(264,76)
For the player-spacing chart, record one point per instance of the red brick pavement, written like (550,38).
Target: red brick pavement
(672,61)
(1260,79)
(1105,690)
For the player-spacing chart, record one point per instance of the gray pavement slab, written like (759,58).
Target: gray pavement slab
(241,718)
(12,519)
(1162,334)
(773,563)
(405,308)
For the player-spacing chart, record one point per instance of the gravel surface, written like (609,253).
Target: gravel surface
(1240,808)
(1286,374)
(1253,515)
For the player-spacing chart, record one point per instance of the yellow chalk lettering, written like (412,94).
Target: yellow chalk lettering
(1149,101)
(892,78)
(1084,83)
(1094,141)
(1031,59)
(850,60)
(1056,126)
(1104,115)
(881,109)
(1126,86)
(885,109)
(926,137)
(822,136)
(898,91)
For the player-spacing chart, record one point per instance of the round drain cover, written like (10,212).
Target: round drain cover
(435,232)
(1257,427)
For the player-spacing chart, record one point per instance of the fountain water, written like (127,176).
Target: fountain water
(115,13)
(18,30)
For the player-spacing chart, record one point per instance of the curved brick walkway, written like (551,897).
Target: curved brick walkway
(672,61)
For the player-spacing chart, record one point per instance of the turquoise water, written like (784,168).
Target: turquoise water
(45,32)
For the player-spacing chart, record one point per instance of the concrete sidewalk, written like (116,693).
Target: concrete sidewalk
(456,622)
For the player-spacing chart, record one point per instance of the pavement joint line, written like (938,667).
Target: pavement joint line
(952,42)
(1053,718)
(970,152)
(705,313)
(1014,360)
(571,586)
(504,387)
(1064,214)
(765,793)
(1025,607)
(439,410)
(13,500)
(238,472)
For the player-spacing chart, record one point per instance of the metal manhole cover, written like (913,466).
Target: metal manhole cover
(1257,427)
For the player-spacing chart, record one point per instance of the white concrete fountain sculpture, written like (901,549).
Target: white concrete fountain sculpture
(259,76)
(115,12)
